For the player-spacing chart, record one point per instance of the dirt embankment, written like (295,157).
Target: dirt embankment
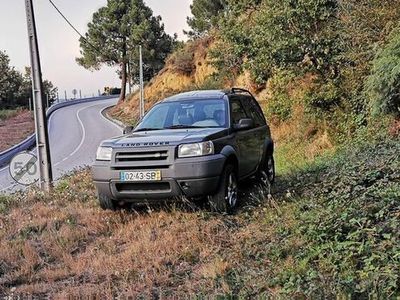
(15,129)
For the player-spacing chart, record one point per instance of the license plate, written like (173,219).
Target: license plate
(140,176)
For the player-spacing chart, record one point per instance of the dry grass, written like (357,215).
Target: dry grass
(63,245)
(15,128)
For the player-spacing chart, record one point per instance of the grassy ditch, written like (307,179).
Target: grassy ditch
(330,229)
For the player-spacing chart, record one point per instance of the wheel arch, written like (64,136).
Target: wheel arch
(231,157)
(268,149)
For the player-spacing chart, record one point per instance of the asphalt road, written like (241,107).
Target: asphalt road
(75,132)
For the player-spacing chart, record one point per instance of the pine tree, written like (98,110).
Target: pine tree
(113,37)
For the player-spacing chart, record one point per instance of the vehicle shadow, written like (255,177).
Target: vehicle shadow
(252,194)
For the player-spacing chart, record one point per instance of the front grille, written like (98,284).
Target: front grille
(143,187)
(152,167)
(141,156)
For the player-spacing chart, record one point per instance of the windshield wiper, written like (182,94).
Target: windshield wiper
(147,129)
(182,127)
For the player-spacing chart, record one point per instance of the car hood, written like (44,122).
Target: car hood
(168,137)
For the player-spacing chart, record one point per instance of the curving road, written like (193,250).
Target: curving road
(75,133)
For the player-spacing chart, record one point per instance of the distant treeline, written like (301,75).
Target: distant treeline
(16,88)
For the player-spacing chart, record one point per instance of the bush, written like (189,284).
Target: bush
(281,103)
(182,60)
(383,85)
(323,97)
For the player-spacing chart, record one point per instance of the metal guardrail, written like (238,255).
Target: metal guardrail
(30,142)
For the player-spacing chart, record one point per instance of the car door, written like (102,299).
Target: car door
(259,132)
(245,140)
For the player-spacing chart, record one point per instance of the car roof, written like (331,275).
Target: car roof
(197,95)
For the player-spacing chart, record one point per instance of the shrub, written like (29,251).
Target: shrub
(182,61)
(323,97)
(383,85)
(281,103)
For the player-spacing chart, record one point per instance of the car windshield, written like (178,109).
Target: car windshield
(186,114)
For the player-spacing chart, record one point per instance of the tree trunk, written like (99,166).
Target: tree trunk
(123,73)
(123,82)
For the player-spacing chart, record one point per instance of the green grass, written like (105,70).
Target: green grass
(343,233)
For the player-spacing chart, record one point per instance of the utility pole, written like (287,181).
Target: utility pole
(141,82)
(42,137)
(65,95)
(80,94)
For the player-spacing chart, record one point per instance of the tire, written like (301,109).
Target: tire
(106,203)
(267,171)
(225,199)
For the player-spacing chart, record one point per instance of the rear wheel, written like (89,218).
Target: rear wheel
(225,200)
(106,203)
(267,170)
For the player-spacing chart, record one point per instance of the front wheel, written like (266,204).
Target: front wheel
(106,203)
(267,170)
(225,200)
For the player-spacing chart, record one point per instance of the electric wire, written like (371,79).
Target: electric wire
(77,31)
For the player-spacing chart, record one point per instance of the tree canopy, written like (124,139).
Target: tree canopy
(113,37)
(16,88)
(206,14)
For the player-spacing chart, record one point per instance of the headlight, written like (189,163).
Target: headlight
(104,153)
(198,149)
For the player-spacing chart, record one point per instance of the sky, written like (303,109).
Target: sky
(59,44)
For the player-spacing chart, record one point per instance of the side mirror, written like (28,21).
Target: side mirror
(128,129)
(244,124)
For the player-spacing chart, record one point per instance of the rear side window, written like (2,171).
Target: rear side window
(237,111)
(254,111)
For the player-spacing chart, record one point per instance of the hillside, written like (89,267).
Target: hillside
(186,69)
(191,68)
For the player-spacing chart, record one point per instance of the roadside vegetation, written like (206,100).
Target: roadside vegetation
(16,121)
(15,126)
(330,229)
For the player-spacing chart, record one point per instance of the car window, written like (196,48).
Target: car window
(253,111)
(190,113)
(237,111)
(158,117)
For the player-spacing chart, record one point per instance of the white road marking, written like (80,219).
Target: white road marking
(83,129)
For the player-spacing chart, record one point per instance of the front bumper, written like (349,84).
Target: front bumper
(189,177)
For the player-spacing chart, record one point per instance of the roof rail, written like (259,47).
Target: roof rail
(240,90)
